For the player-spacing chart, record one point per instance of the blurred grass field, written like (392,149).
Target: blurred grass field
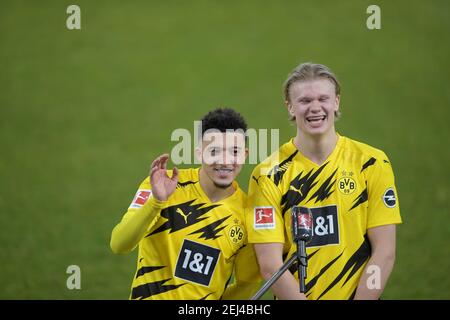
(84,112)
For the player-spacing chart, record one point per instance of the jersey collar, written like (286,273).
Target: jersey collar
(300,155)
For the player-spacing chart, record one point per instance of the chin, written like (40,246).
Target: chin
(223,184)
(317,131)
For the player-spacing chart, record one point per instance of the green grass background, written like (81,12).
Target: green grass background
(83,113)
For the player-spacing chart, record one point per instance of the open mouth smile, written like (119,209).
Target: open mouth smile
(223,170)
(315,118)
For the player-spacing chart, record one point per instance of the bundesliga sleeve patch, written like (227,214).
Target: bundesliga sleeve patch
(264,218)
(140,198)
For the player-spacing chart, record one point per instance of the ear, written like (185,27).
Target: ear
(289,107)
(199,153)
(337,101)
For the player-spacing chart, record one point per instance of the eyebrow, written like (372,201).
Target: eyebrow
(312,98)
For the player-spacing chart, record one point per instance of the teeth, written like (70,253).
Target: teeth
(224,170)
(315,118)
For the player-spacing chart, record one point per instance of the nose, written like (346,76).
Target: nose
(315,106)
(228,159)
(222,159)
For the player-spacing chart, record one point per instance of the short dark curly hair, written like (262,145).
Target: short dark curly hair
(223,119)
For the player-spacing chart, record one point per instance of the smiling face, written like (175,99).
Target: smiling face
(222,155)
(314,104)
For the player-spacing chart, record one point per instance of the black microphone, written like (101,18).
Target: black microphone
(302,224)
(302,233)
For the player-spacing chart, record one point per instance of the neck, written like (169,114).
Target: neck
(316,148)
(213,192)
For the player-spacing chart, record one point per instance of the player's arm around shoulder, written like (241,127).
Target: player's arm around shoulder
(246,276)
(151,197)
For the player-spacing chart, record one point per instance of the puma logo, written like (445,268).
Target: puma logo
(297,190)
(256,179)
(185,216)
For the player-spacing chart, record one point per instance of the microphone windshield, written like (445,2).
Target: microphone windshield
(302,224)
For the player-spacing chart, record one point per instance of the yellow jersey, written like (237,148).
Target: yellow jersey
(192,246)
(352,191)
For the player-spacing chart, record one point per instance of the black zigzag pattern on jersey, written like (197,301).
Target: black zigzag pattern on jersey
(185,184)
(324,191)
(280,169)
(363,197)
(299,188)
(204,298)
(225,286)
(144,270)
(369,162)
(361,255)
(294,267)
(182,215)
(152,288)
(313,281)
(210,231)
(352,296)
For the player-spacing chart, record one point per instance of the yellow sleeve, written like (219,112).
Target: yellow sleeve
(246,274)
(142,213)
(263,213)
(383,205)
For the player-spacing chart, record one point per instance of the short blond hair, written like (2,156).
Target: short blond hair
(311,71)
